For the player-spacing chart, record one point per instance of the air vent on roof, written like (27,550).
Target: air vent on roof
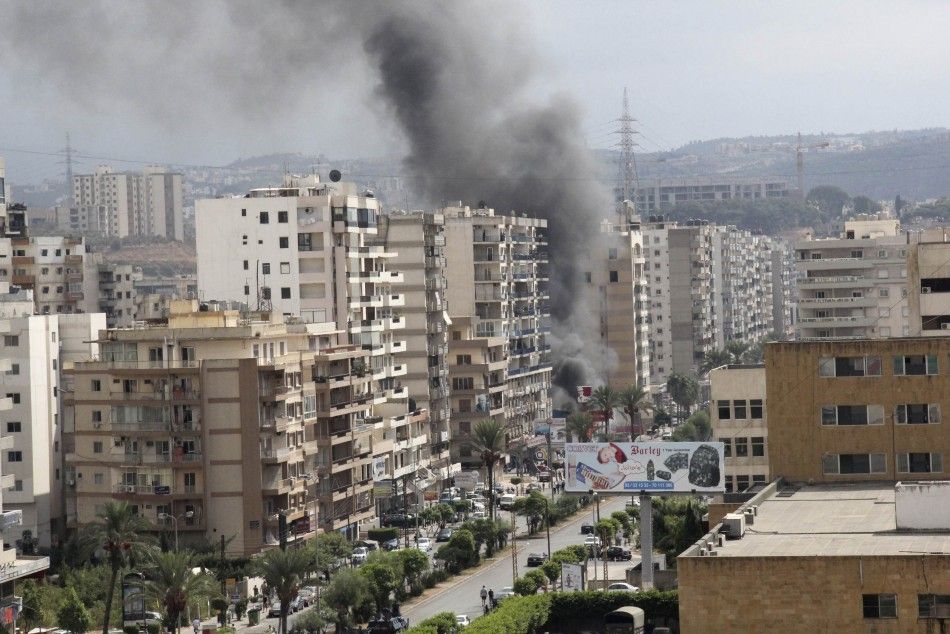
(733,525)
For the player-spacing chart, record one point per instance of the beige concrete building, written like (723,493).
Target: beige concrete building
(225,420)
(616,291)
(110,289)
(854,285)
(478,368)
(928,266)
(738,416)
(50,266)
(119,204)
(853,558)
(497,267)
(858,410)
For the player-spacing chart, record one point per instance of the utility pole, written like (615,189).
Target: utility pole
(646,541)
(627,179)
(514,549)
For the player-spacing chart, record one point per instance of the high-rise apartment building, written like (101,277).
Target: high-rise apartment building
(226,420)
(784,289)
(119,204)
(738,417)
(50,266)
(617,297)
(854,285)
(742,286)
(418,241)
(497,267)
(35,347)
(110,289)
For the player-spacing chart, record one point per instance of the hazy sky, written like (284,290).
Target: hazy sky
(695,70)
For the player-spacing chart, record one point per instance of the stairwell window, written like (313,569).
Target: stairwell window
(879,606)
(933,606)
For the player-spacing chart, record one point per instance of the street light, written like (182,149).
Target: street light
(174,519)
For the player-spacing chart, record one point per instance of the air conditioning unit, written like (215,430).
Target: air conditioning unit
(925,290)
(733,525)
(945,326)
(97,424)
(129,488)
(749,517)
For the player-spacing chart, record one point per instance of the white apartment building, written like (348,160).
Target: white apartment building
(119,204)
(497,267)
(738,416)
(50,266)
(854,285)
(742,280)
(656,194)
(617,294)
(34,350)
(784,289)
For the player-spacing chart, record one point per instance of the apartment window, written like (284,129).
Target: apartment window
(44,252)
(857,254)
(849,366)
(728,482)
(11,341)
(758,479)
(588,278)
(852,415)
(265,268)
(740,409)
(463,359)
(727,446)
(282,216)
(884,312)
(285,268)
(933,606)
(742,483)
(98,478)
(463,383)
(284,242)
(755,408)
(14,456)
(614,277)
(915,365)
(244,240)
(247,289)
(97,446)
(14,369)
(96,416)
(882,274)
(264,217)
(883,292)
(612,254)
(246,265)
(917,414)
(14,396)
(96,385)
(853,463)
(882,254)
(243,213)
(742,447)
(919,462)
(879,606)
(758,446)
(14,427)
(285,292)
(465,405)
(724,412)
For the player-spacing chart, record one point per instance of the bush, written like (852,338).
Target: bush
(516,615)
(441,623)
(538,576)
(525,586)
(551,570)
(382,534)
(573,554)
(130,629)
(567,606)
(310,622)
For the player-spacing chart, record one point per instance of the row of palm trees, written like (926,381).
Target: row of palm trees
(633,401)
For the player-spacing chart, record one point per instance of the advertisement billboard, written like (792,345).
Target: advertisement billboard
(572,577)
(660,467)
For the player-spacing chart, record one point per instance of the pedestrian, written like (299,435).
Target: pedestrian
(196,624)
(491,597)
(483,594)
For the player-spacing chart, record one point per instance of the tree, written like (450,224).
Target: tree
(551,570)
(72,614)
(383,576)
(829,199)
(310,622)
(738,351)
(120,533)
(714,359)
(349,596)
(485,533)
(460,552)
(579,427)
(32,613)
(414,563)
(285,571)
(865,205)
(172,584)
(604,399)
(488,440)
(634,400)
(684,390)
(661,417)
(444,512)
(533,507)
(695,429)
(327,550)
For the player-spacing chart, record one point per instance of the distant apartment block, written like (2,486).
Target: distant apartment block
(738,417)
(655,195)
(742,280)
(50,266)
(119,204)
(617,297)
(784,289)
(497,271)
(928,265)
(854,285)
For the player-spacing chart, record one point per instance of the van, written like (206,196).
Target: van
(507,501)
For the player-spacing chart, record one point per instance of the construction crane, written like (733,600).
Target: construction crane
(800,160)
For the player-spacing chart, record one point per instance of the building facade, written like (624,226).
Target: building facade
(742,286)
(738,416)
(928,266)
(655,195)
(50,266)
(118,204)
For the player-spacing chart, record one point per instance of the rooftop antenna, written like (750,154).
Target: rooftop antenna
(627,179)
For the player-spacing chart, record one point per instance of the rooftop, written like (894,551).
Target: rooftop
(830,520)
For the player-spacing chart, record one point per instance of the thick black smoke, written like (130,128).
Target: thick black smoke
(457,77)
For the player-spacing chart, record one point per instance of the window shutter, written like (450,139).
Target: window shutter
(898,366)
(902,463)
(936,463)
(878,463)
(829,463)
(900,414)
(933,413)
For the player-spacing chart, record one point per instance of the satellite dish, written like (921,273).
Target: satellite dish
(335,176)
(482,204)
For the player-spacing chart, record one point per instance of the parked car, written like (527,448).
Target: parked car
(505,592)
(388,626)
(360,553)
(296,604)
(618,553)
(533,487)
(592,542)
(274,609)
(462,619)
(392,544)
(424,544)
(399,520)
(507,501)
(620,586)
(587,529)
(150,618)
(444,535)
(478,515)
(370,544)
(536,559)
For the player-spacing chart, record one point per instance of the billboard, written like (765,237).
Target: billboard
(662,467)
(572,577)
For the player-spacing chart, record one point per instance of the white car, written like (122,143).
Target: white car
(623,587)
(424,544)
(506,592)
(478,515)
(592,541)
(360,553)
(462,619)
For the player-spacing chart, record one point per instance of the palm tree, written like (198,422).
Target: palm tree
(605,399)
(634,400)
(121,534)
(488,440)
(684,390)
(285,571)
(738,351)
(579,426)
(714,359)
(173,584)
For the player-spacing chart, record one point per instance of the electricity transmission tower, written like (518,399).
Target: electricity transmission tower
(627,179)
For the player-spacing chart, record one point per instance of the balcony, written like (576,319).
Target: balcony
(274,392)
